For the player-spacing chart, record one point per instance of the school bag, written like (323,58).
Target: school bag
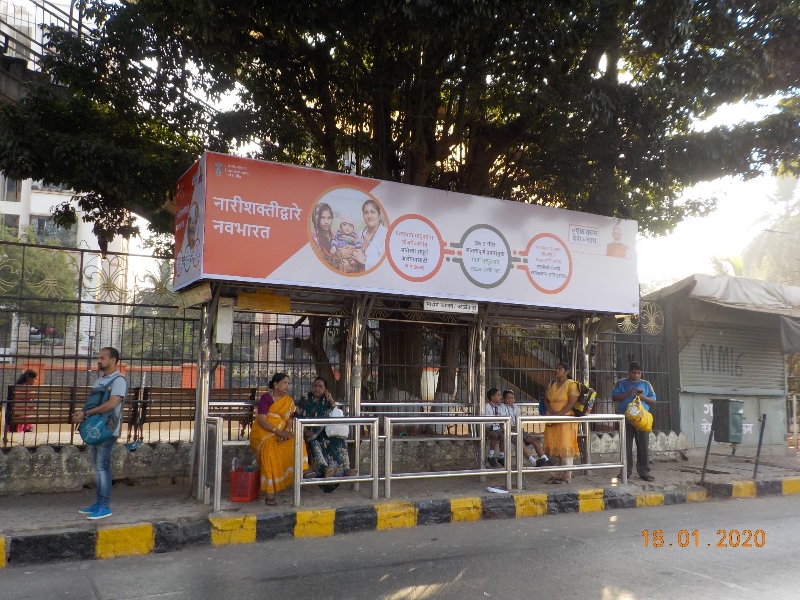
(585,402)
(583,406)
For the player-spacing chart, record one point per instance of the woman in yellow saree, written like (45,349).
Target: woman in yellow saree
(271,438)
(561,439)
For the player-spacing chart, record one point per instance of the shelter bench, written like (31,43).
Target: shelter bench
(56,405)
(163,405)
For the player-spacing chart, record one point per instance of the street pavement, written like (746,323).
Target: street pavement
(583,556)
(149,503)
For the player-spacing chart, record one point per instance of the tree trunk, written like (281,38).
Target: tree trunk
(448,369)
(315,346)
(401,357)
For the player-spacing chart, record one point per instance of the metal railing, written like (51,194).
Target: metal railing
(510,468)
(521,468)
(299,440)
(482,420)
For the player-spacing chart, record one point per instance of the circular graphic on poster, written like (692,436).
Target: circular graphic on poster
(347,231)
(485,256)
(415,248)
(549,263)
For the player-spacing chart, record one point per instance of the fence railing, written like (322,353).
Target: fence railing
(475,421)
(299,440)
(509,470)
(585,420)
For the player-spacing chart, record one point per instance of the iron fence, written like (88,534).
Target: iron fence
(59,306)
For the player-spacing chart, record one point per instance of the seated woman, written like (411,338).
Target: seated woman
(28,378)
(329,453)
(274,425)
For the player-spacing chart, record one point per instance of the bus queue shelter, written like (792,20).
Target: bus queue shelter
(278,238)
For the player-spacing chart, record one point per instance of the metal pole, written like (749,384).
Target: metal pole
(708,451)
(760,441)
(204,385)
(520,455)
(298,461)
(507,446)
(481,381)
(794,420)
(471,383)
(588,428)
(373,448)
(197,429)
(387,458)
(623,444)
(359,327)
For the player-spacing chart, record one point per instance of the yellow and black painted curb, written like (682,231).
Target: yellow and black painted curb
(225,529)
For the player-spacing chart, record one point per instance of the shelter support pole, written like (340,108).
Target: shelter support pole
(483,340)
(362,305)
(794,421)
(208,314)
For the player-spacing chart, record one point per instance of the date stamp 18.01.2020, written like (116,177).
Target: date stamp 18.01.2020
(725,538)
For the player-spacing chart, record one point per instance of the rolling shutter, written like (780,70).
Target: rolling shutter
(723,360)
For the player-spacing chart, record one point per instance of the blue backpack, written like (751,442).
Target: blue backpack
(96,429)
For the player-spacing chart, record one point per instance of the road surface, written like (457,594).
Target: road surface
(588,556)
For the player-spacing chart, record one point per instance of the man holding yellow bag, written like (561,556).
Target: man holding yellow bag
(626,391)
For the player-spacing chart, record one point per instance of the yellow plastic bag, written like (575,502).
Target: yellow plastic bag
(638,416)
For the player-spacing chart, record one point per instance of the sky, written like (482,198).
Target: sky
(743,210)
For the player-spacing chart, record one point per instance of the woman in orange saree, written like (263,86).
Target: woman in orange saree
(561,439)
(271,438)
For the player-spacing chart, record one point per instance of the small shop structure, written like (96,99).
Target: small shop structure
(728,337)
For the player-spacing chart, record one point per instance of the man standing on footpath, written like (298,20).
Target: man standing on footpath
(107,360)
(624,393)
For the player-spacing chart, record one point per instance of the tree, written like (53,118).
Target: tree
(583,104)
(772,254)
(586,104)
(730,265)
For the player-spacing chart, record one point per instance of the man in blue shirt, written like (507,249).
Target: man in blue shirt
(624,393)
(107,360)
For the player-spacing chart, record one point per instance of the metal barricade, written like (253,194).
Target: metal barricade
(482,420)
(374,476)
(520,466)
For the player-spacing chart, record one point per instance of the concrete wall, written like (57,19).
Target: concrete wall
(696,416)
(68,468)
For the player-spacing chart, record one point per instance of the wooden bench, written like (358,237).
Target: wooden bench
(56,405)
(166,405)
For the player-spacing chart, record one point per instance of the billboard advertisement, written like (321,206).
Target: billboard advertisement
(246,220)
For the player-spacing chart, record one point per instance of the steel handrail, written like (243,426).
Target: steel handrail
(467,420)
(299,440)
(599,418)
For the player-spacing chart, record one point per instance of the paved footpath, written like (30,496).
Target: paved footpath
(40,528)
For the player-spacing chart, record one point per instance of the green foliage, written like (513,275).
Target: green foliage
(730,265)
(583,104)
(39,283)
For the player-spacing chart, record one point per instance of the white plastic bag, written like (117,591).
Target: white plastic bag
(337,431)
